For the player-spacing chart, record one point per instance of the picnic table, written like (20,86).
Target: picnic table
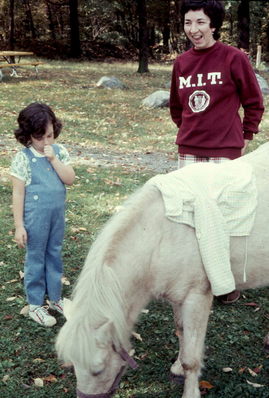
(12,59)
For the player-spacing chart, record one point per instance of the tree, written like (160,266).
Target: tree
(143,36)
(29,18)
(243,24)
(51,23)
(11,38)
(75,49)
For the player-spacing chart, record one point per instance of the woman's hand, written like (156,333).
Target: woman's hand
(243,150)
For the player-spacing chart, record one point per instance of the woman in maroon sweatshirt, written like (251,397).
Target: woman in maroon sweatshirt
(210,82)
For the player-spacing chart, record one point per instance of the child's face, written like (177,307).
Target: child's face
(47,139)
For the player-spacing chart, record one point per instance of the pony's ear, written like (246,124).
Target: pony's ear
(67,307)
(104,334)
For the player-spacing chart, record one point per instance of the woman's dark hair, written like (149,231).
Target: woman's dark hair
(212,8)
(33,121)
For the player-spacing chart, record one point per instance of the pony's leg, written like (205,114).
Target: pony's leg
(194,315)
(177,369)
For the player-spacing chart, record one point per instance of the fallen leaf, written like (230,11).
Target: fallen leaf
(241,370)
(141,356)
(11,298)
(65,281)
(25,386)
(177,333)
(131,352)
(5,378)
(50,379)
(256,385)
(252,304)
(8,317)
(145,311)
(137,336)
(117,182)
(67,365)
(227,370)
(205,384)
(38,382)
(25,310)
(258,369)
(252,373)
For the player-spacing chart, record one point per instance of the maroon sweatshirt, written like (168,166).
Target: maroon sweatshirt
(207,89)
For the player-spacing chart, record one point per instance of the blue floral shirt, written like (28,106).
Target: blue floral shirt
(20,167)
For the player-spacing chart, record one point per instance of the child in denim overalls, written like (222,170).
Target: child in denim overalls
(39,174)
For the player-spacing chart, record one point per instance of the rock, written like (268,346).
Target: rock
(158,99)
(263,84)
(110,82)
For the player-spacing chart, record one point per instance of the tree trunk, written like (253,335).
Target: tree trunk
(143,36)
(166,38)
(243,24)
(11,37)
(29,18)
(75,49)
(175,25)
(51,23)
(166,28)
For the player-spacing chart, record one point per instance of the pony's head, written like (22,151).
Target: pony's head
(96,337)
(95,351)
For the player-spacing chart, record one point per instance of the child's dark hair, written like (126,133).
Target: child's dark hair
(212,8)
(33,121)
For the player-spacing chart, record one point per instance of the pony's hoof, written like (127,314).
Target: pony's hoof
(178,379)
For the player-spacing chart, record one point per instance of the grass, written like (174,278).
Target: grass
(111,120)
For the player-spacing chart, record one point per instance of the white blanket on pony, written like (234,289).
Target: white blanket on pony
(219,201)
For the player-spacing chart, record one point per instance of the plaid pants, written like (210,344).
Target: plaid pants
(185,160)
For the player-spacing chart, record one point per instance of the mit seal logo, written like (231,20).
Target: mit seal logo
(199,101)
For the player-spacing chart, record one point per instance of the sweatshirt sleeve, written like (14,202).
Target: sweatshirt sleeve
(175,105)
(249,93)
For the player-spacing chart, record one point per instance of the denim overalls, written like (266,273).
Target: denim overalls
(44,214)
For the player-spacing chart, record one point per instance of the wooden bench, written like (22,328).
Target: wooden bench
(18,65)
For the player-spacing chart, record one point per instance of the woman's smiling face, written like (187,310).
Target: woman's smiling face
(198,30)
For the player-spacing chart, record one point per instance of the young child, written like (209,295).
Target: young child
(39,173)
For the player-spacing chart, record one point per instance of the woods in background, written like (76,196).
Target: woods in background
(132,29)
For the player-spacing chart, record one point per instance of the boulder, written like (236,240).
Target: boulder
(158,99)
(110,82)
(263,84)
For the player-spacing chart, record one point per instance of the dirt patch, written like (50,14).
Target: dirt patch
(153,161)
(157,162)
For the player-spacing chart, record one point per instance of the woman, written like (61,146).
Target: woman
(210,82)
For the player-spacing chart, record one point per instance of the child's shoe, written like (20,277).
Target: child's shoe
(57,306)
(40,315)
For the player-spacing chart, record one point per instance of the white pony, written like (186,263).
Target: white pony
(140,255)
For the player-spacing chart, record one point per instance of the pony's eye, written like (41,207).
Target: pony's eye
(97,373)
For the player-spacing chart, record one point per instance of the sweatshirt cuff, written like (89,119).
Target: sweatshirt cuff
(248,136)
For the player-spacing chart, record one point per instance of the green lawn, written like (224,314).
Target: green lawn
(111,120)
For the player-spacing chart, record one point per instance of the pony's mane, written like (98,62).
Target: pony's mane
(97,296)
